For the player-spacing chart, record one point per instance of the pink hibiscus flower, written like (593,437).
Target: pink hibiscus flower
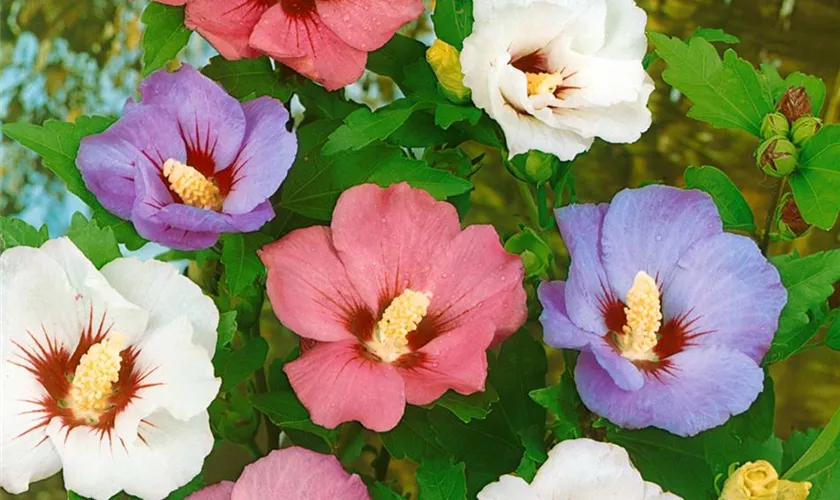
(325,40)
(291,474)
(396,304)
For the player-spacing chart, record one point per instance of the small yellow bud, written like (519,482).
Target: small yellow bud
(760,481)
(446,63)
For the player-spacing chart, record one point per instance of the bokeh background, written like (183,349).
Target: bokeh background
(63,58)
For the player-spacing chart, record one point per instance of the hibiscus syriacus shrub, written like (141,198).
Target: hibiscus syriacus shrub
(345,317)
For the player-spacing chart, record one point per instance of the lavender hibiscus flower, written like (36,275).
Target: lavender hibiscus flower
(672,315)
(189,162)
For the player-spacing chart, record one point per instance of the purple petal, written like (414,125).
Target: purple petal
(702,388)
(729,293)
(649,229)
(152,195)
(580,226)
(210,120)
(558,329)
(624,373)
(191,218)
(266,156)
(145,135)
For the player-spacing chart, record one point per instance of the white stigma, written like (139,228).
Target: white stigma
(644,318)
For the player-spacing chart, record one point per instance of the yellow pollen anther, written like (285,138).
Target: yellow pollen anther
(193,188)
(644,318)
(543,83)
(98,370)
(401,317)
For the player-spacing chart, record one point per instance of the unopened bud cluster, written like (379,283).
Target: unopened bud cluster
(784,132)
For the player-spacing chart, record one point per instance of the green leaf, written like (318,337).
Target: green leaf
(379,491)
(363,127)
(832,334)
(563,402)
(535,253)
(733,208)
(188,489)
(233,418)
(287,412)
(469,407)
(164,37)
(226,329)
(440,479)
(98,244)
(816,181)
(813,85)
(715,35)
(724,93)
(248,78)
(15,233)
(395,60)
(809,282)
(439,183)
(453,20)
(447,114)
(237,365)
(820,464)
(315,181)
(239,256)
(413,437)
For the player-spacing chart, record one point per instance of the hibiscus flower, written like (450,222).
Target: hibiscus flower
(291,474)
(395,304)
(105,374)
(325,40)
(555,75)
(672,315)
(189,162)
(580,468)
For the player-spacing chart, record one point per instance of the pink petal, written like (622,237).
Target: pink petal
(367,24)
(307,45)
(219,491)
(226,25)
(455,360)
(337,384)
(476,280)
(298,474)
(389,238)
(308,288)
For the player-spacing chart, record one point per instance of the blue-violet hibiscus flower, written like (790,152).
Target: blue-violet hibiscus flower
(672,315)
(189,162)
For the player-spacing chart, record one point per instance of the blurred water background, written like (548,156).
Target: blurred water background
(64,58)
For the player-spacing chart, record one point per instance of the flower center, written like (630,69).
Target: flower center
(92,384)
(644,318)
(543,83)
(193,188)
(390,335)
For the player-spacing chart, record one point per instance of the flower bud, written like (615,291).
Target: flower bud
(760,481)
(791,223)
(795,104)
(534,167)
(792,490)
(777,157)
(445,61)
(805,128)
(774,125)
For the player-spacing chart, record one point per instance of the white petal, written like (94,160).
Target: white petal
(625,31)
(158,288)
(26,454)
(169,455)
(509,488)
(98,305)
(180,378)
(588,470)
(654,492)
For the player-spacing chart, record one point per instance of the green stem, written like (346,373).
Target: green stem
(381,463)
(253,449)
(543,215)
(771,216)
(530,202)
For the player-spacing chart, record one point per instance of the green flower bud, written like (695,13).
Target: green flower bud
(534,251)
(777,157)
(445,61)
(790,222)
(774,125)
(805,128)
(795,103)
(534,167)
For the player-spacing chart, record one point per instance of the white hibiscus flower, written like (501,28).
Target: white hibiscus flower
(580,469)
(104,374)
(555,74)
